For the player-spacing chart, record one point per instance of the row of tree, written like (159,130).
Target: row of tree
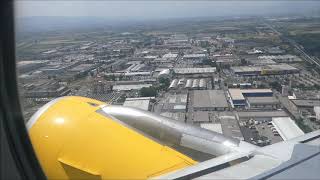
(154,90)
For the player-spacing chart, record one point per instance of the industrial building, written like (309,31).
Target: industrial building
(134,66)
(200,117)
(170,56)
(186,71)
(238,96)
(140,103)
(223,60)
(316,110)
(195,83)
(221,122)
(45,90)
(166,73)
(261,61)
(181,82)
(194,56)
(173,103)
(57,68)
(306,106)
(130,87)
(215,127)
(178,116)
(174,84)
(209,100)
(82,69)
(27,66)
(130,74)
(305,94)
(306,103)
(202,84)
(230,127)
(281,58)
(275,50)
(280,69)
(188,84)
(246,70)
(263,103)
(260,115)
(271,69)
(286,127)
(163,63)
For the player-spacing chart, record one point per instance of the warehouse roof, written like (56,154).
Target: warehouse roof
(286,127)
(306,103)
(139,98)
(238,69)
(212,127)
(262,61)
(210,98)
(230,127)
(130,87)
(281,67)
(262,100)
(261,114)
(138,103)
(194,55)
(179,116)
(194,70)
(274,67)
(169,55)
(237,94)
(201,116)
(282,58)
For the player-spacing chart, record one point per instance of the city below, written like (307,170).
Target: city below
(253,79)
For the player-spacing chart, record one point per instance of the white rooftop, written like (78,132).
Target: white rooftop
(194,70)
(237,94)
(194,55)
(130,87)
(169,55)
(138,103)
(286,127)
(212,127)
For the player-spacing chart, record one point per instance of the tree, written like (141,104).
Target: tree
(305,128)
(113,77)
(164,82)
(148,91)
(276,85)
(243,62)
(316,86)
(110,77)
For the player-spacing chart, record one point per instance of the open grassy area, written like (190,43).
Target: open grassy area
(311,42)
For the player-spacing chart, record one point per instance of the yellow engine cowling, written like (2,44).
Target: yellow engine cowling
(73,141)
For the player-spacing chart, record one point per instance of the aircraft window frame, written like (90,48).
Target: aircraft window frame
(12,121)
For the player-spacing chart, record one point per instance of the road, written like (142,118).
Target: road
(297,46)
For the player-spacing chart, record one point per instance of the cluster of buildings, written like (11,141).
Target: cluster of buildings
(271,69)
(207,79)
(184,83)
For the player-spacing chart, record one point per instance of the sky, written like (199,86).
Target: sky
(163,9)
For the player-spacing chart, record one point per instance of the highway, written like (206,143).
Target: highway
(297,46)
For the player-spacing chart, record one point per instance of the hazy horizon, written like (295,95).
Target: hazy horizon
(148,10)
(54,15)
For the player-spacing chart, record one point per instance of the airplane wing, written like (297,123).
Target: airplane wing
(298,158)
(81,138)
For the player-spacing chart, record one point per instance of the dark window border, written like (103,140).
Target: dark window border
(16,140)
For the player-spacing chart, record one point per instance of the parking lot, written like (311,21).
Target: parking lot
(266,131)
(259,132)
